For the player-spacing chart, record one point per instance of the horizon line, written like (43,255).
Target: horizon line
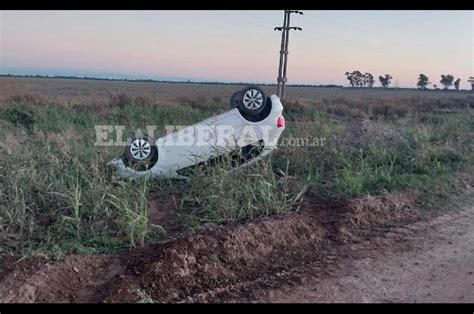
(180,81)
(204,82)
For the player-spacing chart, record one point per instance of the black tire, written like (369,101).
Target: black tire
(235,99)
(252,100)
(141,153)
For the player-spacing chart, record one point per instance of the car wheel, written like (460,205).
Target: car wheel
(235,100)
(252,100)
(141,154)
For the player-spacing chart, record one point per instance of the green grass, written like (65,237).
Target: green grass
(55,196)
(222,194)
(54,190)
(426,149)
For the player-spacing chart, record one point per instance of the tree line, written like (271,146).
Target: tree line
(447,80)
(359,79)
(163,81)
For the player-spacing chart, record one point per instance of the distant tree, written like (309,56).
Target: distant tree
(350,78)
(435,86)
(423,81)
(359,78)
(368,79)
(446,80)
(456,83)
(356,78)
(385,80)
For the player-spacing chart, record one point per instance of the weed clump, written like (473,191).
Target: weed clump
(21,117)
(223,193)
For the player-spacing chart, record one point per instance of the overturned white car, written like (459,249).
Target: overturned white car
(246,133)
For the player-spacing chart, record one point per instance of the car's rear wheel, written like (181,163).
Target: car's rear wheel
(235,100)
(252,100)
(141,154)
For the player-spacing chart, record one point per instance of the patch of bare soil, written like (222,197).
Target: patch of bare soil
(162,211)
(74,279)
(427,262)
(214,264)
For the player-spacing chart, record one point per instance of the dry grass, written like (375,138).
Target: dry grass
(98,92)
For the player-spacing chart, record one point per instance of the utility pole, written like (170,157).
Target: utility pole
(285,35)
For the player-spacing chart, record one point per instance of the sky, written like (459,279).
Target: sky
(238,46)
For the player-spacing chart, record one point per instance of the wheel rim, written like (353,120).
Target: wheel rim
(253,99)
(140,149)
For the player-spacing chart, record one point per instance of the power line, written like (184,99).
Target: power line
(260,19)
(254,19)
(247,22)
(285,38)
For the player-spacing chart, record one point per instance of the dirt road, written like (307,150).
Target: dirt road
(372,249)
(422,262)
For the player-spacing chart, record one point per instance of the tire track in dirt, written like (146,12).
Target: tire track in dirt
(427,261)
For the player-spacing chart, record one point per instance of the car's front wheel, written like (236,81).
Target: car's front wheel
(141,154)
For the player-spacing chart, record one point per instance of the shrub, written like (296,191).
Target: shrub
(120,100)
(143,101)
(21,116)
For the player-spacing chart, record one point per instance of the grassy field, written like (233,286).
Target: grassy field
(99,91)
(56,198)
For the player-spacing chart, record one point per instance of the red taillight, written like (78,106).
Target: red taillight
(280,122)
